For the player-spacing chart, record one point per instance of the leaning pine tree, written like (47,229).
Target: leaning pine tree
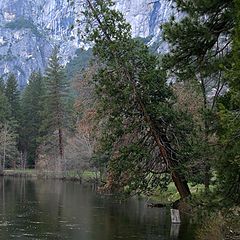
(143,135)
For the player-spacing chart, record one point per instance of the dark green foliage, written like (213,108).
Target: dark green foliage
(9,102)
(5,112)
(200,35)
(200,52)
(136,105)
(228,165)
(200,46)
(56,93)
(8,151)
(2,85)
(203,49)
(13,95)
(56,98)
(32,106)
(229,122)
(21,23)
(78,63)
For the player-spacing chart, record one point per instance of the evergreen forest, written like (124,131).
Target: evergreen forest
(136,121)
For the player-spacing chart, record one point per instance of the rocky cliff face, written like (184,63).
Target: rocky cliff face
(29,29)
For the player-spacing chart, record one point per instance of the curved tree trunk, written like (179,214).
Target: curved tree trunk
(168,157)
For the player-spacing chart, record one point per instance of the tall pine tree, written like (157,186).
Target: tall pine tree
(55,100)
(228,165)
(8,151)
(32,119)
(13,95)
(5,112)
(2,84)
(200,44)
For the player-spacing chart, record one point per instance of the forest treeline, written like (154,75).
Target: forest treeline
(140,119)
(41,127)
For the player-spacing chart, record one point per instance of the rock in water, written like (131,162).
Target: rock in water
(175,216)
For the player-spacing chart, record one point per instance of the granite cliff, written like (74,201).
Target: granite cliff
(29,29)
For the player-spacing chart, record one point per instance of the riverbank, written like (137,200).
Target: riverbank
(167,196)
(216,218)
(86,176)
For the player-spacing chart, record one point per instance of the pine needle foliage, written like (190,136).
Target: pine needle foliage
(143,135)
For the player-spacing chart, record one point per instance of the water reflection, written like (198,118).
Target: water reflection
(50,209)
(175,229)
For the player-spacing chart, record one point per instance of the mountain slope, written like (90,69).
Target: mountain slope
(29,29)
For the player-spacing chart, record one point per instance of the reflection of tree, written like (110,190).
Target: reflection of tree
(2,208)
(128,219)
(2,191)
(67,210)
(63,207)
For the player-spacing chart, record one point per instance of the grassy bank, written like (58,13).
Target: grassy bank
(166,197)
(171,194)
(86,176)
(20,172)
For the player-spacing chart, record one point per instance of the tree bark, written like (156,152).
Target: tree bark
(207,166)
(181,184)
(168,157)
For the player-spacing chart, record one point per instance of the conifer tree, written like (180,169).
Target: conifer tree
(228,165)
(2,84)
(8,150)
(136,105)
(200,44)
(13,95)
(4,105)
(32,106)
(55,100)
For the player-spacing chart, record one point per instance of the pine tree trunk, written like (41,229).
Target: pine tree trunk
(179,179)
(181,184)
(168,157)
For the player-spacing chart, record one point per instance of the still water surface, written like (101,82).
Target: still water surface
(58,210)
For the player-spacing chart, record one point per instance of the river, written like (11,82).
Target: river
(59,210)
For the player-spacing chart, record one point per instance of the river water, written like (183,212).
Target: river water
(59,210)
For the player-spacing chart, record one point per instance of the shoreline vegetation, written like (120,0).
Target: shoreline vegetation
(165,197)
(87,176)
(162,126)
